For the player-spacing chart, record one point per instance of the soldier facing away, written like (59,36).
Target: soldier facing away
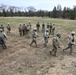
(55,44)
(34,36)
(50,28)
(48,25)
(38,26)
(24,29)
(8,28)
(53,29)
(43,27)
(70,42)
(46,36)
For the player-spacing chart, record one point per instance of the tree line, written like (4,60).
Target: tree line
(57,12)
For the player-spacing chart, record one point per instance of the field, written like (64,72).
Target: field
(22,59)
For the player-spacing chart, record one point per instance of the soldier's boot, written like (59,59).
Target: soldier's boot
(52,51)
(71,52)
(55,52)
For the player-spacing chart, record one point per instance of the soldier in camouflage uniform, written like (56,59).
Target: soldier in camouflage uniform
(43,27)
(38,26)
(34,36)
(29,25)
(55,44)
(20,29)
(70,42)
(53,29)
(24,28)
(46,36)
(8,28)
(50,28)
(2,27)
(48,25)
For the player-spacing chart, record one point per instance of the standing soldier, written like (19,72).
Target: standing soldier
(20,29)
(3,38)
(55,44)
(43,27)
(8,28)
(29,24)
(38,26)
(2,27)
(50,28)
(53,29)
(46,36)
(70,42)
(24,28)
(34,36)
(48,25)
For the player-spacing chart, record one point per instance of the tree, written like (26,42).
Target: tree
(54,12)
(59,11)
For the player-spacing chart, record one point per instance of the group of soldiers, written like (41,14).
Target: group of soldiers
(49,26)
(24,29)
(46,30)
(50,29)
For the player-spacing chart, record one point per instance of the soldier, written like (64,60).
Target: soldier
(20,29)
(29,24)
(2,27)
(50,28)
(43,27)
(34,36)
(24,28)
(46,36)
(53,29)
(8,28)
(70,42)
(55,44)
(3,38)
(48,25)
(28,28)
(38,26)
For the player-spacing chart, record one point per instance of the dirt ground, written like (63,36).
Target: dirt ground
(22,59)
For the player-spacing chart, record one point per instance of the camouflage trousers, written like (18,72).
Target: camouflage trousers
(34,41)
(45,41)
(54,50)
(70,46)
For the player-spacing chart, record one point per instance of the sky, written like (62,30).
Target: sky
(40,4)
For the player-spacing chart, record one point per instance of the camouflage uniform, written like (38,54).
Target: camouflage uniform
(3,38)
(55,44)
(43,27)
(20,30)
(48,25)
(38,26)
(29,24)
(53,30)
(50,28)
(34,36)
(70,42)
(46,36)
(8,28)
(24,28)
(2,27)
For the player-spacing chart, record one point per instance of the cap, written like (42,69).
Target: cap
(47,29)
(1,30)
(34,29)
(73,32)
